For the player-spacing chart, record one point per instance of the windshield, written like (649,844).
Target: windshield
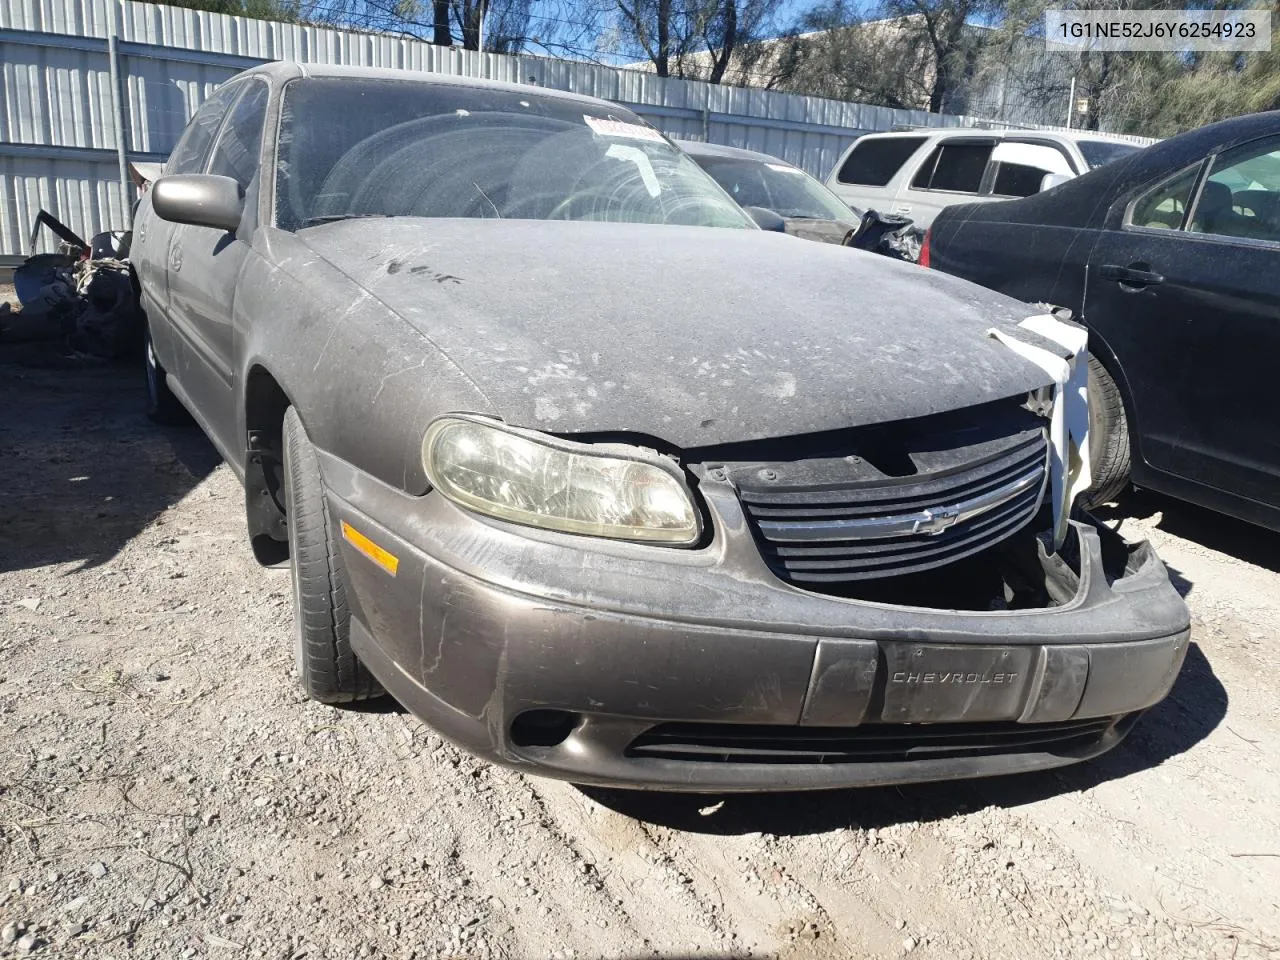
(1098,152)
(397,148)
(786,190)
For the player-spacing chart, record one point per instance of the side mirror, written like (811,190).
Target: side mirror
(1051,180)
(766,219)
(200,199)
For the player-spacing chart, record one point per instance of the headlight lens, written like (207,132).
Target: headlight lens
(557,485)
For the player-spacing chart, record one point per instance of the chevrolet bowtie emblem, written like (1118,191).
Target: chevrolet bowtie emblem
(936,521)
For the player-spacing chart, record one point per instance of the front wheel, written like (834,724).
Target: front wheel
(1109,452)
(328,668)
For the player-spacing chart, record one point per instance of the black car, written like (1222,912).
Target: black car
(1171,258)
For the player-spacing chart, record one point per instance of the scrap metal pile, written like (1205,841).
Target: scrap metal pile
(82,295)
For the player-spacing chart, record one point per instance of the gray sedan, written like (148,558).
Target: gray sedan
(607,484)
(799,204)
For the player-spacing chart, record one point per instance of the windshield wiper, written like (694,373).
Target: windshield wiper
(335,217)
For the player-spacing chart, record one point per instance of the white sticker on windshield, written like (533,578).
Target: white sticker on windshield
(641,159)
(620,128)
(783,168)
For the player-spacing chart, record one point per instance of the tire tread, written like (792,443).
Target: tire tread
(1110,450)
(328,668)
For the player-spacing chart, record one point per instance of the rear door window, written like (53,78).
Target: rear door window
(192,148)
(954,167)
(873,162)
(1164,206)
(1017,180)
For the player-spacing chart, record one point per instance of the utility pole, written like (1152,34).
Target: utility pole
(1071,102)
(484,8)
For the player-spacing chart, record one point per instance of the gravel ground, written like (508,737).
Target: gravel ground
(166,792)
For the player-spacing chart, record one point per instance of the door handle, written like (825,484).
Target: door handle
(1131,276)
(175,257)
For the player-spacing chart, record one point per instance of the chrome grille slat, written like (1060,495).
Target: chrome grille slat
(899,494)
(830,534)
(897,545)
(874,508)
(842,569)
(903,524)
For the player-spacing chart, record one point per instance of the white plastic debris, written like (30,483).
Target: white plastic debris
(1070,470)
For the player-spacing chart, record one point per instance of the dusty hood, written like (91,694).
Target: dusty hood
(693,334)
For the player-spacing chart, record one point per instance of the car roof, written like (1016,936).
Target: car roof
(696,148)
(1212,138)
(283,70)
(945,133)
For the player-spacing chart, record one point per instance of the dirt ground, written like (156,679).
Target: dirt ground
(166,792)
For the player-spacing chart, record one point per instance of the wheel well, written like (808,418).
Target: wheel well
(265,403)
(1101,350)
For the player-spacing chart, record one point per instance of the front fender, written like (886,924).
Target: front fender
(364,382)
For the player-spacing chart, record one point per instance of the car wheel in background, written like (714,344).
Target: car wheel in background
(162,406)
(1108,437)
(328,668)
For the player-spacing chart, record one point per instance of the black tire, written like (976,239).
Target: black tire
(163,406)
(328,668)
(1109,450)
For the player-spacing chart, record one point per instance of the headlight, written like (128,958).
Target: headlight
(557,485)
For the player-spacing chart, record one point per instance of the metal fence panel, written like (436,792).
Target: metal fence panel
(82,193)
(58,119)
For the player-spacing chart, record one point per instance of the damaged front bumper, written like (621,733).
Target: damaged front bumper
(640,666)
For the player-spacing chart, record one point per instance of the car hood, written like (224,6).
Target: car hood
(696,335)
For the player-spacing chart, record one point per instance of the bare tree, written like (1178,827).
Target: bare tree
(946,31)
(699,39)
(556,27)
(441,35)
(659,28)
(732,31)
(916,54)
(1139,92)
(842,54)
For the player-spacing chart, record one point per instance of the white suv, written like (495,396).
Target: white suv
(917,173)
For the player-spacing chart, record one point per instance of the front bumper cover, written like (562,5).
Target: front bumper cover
(482,622)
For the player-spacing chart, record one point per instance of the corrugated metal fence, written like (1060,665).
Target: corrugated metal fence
(87,82)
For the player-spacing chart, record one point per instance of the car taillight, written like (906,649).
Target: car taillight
(924,248)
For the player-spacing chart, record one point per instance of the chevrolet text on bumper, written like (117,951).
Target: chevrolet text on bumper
(606,484)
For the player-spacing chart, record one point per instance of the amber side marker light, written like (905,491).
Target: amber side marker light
(387,561)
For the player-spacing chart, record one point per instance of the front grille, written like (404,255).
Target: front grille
(869,743)
(830,533)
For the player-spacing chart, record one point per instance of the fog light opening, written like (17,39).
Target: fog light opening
(543,728)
